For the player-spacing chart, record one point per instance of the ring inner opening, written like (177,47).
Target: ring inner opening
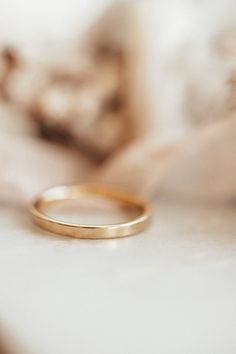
(91,210)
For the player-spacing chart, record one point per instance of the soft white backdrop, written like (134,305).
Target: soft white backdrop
(32,24)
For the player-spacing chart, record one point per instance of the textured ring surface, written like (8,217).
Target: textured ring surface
(59,194)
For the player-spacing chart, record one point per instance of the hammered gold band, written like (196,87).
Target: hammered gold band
(62,193)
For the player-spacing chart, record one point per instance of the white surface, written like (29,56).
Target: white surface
(32,22)
(169,291)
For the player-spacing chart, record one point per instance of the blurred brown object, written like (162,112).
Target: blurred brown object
(85,99)
(9,62)
(6,345)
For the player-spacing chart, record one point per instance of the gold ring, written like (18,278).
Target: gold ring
(59,194)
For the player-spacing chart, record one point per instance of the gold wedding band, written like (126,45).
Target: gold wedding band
(59,194)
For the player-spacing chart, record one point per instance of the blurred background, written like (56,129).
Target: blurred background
(142,87)
(105,91)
